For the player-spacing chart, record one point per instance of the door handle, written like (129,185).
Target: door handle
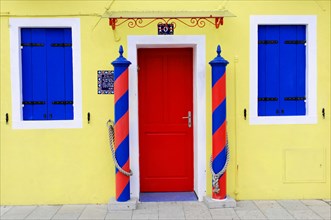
(189,119)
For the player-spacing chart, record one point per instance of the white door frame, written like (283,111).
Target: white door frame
(197,42)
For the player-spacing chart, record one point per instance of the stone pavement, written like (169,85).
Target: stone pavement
(280,209)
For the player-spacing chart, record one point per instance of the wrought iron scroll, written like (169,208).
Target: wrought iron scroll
(141,22)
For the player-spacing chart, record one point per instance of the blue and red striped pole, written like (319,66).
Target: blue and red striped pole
(121,95)
(219,142)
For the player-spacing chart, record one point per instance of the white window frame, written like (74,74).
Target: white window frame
(16,71)
(311,68)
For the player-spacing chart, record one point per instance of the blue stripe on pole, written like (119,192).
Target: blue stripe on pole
(219,116)
(219,161)
(125,195)
(217,74)
(122,152)
(119,72)
(121,106)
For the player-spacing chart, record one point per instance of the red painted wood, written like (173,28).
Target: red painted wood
(165,79)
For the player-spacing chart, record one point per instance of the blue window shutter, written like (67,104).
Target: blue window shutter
(34,73)
(55,72)
(301,70)
(288,69)
(272,69)
(27,82)
(261,71)
(268,70)
(293,70)
(68,75)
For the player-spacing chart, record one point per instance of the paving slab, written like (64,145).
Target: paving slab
(119,215)
(4,209)
(171,210)
(69,212)
(304,214)
(292,205)
(94,212)
(315,202)
(328,201)
(194,206)
(248,210)
(198,215)
(171,214)
(272,210)
(250,214)
(323,211)
(196,210)
(145,214)
(148,205)
(171,205)
(225,213)
(146,211)
(245,205)
(18,212)
(43,212)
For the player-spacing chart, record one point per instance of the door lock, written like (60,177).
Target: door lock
(189,119)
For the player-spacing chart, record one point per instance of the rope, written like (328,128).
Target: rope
(216,176)
(110,125)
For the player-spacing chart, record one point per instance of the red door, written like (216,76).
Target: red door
(165,82)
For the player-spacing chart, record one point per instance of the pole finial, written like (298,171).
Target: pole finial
(218,50)
(121,51)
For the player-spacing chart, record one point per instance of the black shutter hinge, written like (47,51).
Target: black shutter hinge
(32,44)
(33,103)
(61,45)
(294,98)
(7,118)
(88,118)
(295,42)
(245,114)
(62,102)
(267,99)
(268,41)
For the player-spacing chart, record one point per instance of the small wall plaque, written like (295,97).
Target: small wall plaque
(105,82)
(165,29)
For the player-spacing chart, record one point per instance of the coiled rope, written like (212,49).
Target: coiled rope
(216,176)
(111,134)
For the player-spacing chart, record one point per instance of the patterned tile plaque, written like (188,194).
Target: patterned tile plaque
(105,82)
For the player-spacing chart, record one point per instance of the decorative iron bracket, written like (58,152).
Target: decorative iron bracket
(142,19)
(141,23)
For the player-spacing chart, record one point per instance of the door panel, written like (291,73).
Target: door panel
(165,139)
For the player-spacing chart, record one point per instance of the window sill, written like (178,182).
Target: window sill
(47,124)
(265,120)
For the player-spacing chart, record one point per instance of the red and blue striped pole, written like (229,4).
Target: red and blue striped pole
(121,96)
(219,141)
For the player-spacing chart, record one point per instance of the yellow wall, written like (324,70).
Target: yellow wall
(75,166)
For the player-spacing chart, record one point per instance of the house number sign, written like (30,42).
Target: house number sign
(165,29)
